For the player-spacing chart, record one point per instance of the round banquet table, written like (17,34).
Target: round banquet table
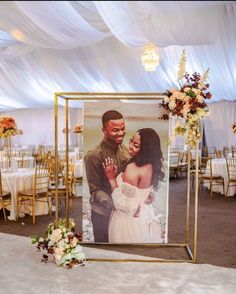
(21,179)
(219,167)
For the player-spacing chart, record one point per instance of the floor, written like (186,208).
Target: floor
(23,272)
(216,227)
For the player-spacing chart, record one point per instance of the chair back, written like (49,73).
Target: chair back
(204,166)
(218,154)
(174,159)
(233,151)
(231,168)
(226,151)
(212,152)
(0,182)
(41,179)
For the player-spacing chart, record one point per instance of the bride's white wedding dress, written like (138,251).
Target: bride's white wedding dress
(123,226)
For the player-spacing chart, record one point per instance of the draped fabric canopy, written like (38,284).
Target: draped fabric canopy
(96,46)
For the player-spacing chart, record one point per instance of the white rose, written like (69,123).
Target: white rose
(58,251)
(56,235)
(61,243)
(68,256)
(187,89)
(74,242)
(199,98)
(196,91)
(58,259)
(50,243)
(166,99)
(172,105)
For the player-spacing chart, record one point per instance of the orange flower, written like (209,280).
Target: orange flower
(78,129)
(7,127)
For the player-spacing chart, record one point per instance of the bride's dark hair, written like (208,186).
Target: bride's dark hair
(150,152)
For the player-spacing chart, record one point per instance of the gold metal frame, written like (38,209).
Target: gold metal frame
(80,96)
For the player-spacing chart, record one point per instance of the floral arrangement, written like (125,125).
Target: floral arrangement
(78,129)
(63,243)
(187,103)
(7,127)
(19,132)
(64,130)
(234,127)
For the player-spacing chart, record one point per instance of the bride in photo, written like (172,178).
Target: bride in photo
(133,219)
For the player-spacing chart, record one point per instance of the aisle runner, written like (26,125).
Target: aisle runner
(22,272)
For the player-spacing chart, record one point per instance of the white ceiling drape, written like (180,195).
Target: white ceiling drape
(96,46)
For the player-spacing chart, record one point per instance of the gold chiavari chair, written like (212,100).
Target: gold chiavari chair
(77,180)
(202,164)
(174,163)
(39,193)
(226,151)
(218,154)
(5,198)
(231,170)
(233,151)
(62,185)
(212,152)
(22,162)
(210,178)
(182,164)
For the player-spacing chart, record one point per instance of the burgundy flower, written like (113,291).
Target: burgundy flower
(208,95)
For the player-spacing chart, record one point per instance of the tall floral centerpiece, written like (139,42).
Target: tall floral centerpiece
(187,102)
(78,130)
(8,129)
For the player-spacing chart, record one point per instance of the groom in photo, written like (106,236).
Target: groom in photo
(113,127)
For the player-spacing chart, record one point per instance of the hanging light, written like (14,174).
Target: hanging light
(150,58)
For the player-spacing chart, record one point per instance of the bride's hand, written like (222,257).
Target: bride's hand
(110,168)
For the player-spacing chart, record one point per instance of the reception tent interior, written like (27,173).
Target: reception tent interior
(97,46)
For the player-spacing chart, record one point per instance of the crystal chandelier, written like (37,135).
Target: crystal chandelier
(150,58)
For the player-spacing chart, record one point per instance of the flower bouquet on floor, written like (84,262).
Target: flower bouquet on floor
(187,103)
(62,243)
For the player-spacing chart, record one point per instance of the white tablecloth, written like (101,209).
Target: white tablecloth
(78,168)
(28,161)
(17,181)
(219,167)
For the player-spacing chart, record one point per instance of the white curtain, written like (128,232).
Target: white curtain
(96,46)
(38,126)
(218,126)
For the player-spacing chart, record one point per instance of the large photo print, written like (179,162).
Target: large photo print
(125,190)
